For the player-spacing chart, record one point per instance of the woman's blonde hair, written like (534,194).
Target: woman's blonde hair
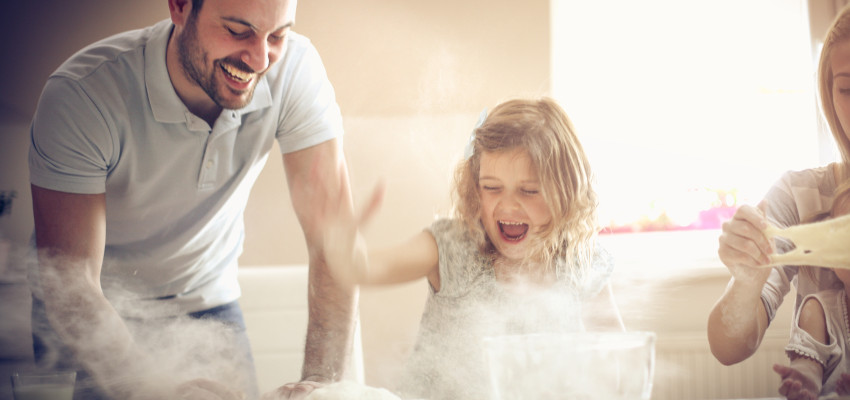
(839,32)
(542,128)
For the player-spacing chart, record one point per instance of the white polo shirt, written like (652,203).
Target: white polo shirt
(109,121)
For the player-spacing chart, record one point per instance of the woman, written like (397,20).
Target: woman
(738,321)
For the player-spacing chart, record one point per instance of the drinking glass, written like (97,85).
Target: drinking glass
(41,385)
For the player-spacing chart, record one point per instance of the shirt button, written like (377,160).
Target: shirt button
(209,164)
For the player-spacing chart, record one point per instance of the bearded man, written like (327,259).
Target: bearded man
(145,146)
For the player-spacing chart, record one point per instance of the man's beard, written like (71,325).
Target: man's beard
(193,59)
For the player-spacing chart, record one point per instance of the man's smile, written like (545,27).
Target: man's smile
(237,74)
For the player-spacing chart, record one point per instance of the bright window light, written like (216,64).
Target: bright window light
(687,109)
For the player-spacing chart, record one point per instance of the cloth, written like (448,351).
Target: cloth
(831,355)
(109,121)
(447,361)
(232,360)
(797,197)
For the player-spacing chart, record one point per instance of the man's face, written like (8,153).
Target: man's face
(227,46)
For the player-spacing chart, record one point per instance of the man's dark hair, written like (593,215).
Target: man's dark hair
(196,6)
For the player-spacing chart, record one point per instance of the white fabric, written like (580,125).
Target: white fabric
(831,355)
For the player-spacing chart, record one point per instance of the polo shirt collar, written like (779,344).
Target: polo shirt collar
(164,102)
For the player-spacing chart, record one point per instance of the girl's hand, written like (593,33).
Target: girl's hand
(345,253)
(842,387)
(796,385)
(344,248)
(743,246)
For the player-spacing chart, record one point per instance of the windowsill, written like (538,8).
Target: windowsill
(668,254)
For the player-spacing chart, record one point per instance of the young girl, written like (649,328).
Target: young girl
(818,347)
(518,256)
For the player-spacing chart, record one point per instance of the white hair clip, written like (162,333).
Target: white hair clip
(470,146)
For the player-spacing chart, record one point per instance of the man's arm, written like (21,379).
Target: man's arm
(318,180)
(70,236)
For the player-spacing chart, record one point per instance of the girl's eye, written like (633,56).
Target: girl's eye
(489,188)
(276,38)
(529,192)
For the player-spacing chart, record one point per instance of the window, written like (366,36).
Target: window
(687,109)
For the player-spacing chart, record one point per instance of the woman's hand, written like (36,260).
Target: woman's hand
(744,246)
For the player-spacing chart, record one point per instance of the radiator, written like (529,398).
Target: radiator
(686,369)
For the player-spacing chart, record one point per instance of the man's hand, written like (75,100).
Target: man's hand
(297,390)
(204,389)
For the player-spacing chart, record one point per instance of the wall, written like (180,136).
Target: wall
(410,78)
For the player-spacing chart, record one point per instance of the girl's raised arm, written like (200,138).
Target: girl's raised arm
(416,258)
(350,261)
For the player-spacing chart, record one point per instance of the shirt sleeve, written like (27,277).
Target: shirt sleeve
(781,211)
(778,284)
(460,263)
(781,206)
(310,112)
(70,140)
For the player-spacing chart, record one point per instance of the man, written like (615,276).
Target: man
(144,149)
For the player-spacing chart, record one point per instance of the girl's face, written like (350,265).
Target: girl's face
(512,206)
(840,62)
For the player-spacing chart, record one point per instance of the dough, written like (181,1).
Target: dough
(347,390)
(819,244)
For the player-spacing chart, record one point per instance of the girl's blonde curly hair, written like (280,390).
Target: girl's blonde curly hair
(542,128)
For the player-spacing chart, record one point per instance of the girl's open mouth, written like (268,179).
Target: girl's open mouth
(513,231)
